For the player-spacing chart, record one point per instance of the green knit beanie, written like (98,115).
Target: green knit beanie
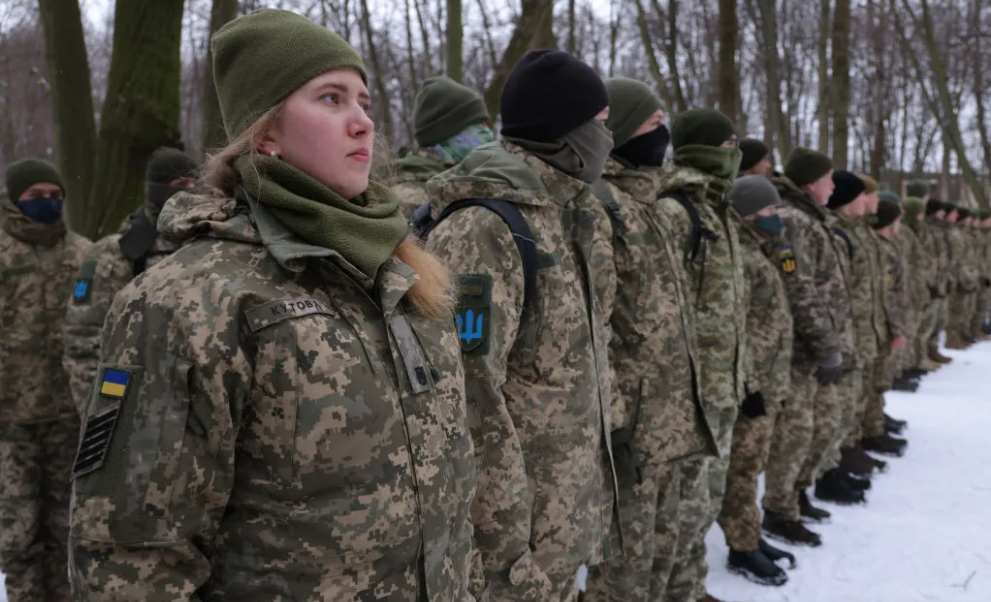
(891,197)
(753,151)
(913,206)
(706,127)
(443,108)
(261,58)
(631,103)
(24,174)
(806,166)
(916,188)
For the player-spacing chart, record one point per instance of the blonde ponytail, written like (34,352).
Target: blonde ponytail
(432,296)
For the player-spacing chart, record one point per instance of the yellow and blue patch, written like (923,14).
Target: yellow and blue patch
(114,383)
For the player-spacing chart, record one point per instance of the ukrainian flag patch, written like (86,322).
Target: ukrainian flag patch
(114,383)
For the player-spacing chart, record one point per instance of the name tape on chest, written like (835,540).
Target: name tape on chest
(788,262)
(266,314)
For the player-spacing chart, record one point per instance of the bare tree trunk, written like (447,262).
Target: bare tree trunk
(614,19)
(572,40)
(824,21)
(455,37)
(489,44)
(729,86)
(72,103)
(979,88)
(379,72)
(840,101)
(425,37)
(214,135)
(410,57)
(652,64)
(878,117)
(671,53)
(772,64)
(544,38)
(141,111)
(534,11)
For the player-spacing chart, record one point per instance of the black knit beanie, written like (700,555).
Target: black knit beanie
(705,127)
(806,166)
(167,164)
(23,174)
(848,188)
(753,151)
(917,188)
(548,94)
(934,206)
(443,108)
(887,213)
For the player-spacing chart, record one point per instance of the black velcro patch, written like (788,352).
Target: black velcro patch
(474,313)
(96,441)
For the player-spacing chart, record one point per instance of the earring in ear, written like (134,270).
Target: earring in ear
(274,154)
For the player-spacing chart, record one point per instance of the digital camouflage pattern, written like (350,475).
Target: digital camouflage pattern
(790,445)
(104,272)
(916,265)
(896,303)
(717,292)
(769,354)
(864,284)
(38,263)
(38,424)
(410,175)
(538,394)
(283,433)
(657,415)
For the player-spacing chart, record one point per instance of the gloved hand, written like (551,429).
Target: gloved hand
(830,369)
(753,405)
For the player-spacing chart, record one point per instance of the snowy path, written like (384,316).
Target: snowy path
(925,534)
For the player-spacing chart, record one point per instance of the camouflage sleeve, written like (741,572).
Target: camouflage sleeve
(156,463)
(896,306)
(479,250)
(103,273)
(812,319)
(604,264)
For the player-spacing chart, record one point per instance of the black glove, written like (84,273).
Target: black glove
(753,405)
(829,376)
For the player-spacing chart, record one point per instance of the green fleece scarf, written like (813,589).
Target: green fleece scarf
(364,230)
(721,163)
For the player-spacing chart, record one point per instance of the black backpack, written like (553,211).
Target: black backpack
(698,231)
(423,224)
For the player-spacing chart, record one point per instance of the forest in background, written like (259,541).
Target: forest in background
(894,88)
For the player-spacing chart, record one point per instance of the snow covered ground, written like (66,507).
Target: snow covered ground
(925,534)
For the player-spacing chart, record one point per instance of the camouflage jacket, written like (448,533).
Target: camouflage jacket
(916,278)
(281,429)
(933,242)
(769,323)
(716,288)
(896,290)
(538,397)
(961,265)
(657,404)
(972,265)
(880,315)
(37,265)
(104,271)
(864,284)
(808,259)
(410,175)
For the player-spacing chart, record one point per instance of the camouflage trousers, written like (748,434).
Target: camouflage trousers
(654,512)
(982,310)
(739,517)
(850,393)
(942,318)
(826,421)
(688,571)
(790,444)
(855,428)
(928,330)
(962,308)
(35,465)
(873,422)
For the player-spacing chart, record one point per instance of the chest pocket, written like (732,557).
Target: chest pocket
(325,421)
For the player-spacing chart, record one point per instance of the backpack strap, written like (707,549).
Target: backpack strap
(698,232)
(518,227)
(846,238)
(601,190)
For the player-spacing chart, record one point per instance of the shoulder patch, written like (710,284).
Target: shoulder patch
(82,291)
(266,314)
(474,313)
(95,441)
(788,262)
(114,383)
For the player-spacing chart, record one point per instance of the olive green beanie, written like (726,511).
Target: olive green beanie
(913,206)
(443,108)
(261,58)
(631,103)
(916,188)
(25,173)
(806,166)
(706,127)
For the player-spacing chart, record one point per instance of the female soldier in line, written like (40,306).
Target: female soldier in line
(279,410)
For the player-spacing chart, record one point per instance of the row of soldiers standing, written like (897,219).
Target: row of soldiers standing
(663,334)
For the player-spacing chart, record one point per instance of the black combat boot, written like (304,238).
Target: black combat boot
(832,488)
(810,512)
(906,385)
(885,444)
(881,465)
(856,462)
(855,482)
(755,566)
(789,531)
(893,425)
(776,554)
